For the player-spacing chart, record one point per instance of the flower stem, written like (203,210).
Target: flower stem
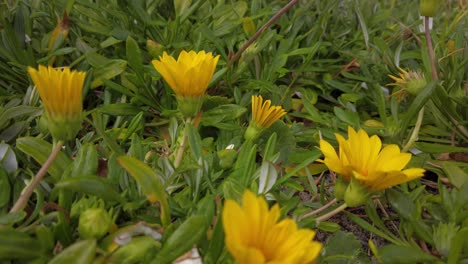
(261,30)
(328,215)
(180,150)
(319,210)
(430,48)
(414,134)
(24,197)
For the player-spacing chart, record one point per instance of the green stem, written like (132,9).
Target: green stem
(415,133)
(24,197)
(319,210)
(180,150)
(328,215)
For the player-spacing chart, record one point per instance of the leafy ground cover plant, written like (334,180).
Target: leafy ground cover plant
(194,131)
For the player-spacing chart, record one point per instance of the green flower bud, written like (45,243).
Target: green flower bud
(252,132)
(340,188)
(356,194)
(428,7)
(414,86)
(189,106)
(227,158)
(249,26)
(94,223)
(155,49)
(64,128)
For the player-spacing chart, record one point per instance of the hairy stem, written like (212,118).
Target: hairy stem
(24,197)
(430,48)
(319,210)
(261,30)
(328,215)
(180,150)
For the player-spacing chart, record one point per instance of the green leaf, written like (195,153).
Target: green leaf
(120,109)
(416,106)
(86,162)
(82,252)
(15,244)
(92,185)
(459,243)
(15,112)
(351,118)
(400,254)
(108,71)
(187,235)
(342,247)
(401,203)
(457,176)
(8,159)
(11,218)
(194,141)
(40,150)
(5,188)
(150,184)
(134,57)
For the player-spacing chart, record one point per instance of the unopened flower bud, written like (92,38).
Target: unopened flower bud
(227,158)
(428,7)
(249,26)
(340,188)
(356,194)
(94,223)
(155,49)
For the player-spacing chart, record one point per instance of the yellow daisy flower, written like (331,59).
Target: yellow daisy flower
(409,82)
(254,235)
(263,116)
(61,93)
(362,158)
(188,77)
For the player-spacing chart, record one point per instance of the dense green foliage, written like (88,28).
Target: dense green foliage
(325,62)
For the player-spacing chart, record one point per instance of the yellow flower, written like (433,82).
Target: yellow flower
(263,116)
(411,82)
(363,159)
(254,235)
(188,77)
(61,93)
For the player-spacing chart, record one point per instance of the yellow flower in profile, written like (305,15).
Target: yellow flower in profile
(61,93)
(188,77)
(411,82)
(254,235)
(362,159)
(263,116)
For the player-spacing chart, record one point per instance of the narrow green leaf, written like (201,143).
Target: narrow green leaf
(108,71)
(86,162)
(15,244)
(82,252)
(5,188)
(134,57)
(150,184)
(416,106)
(194,141)
(400,254)
(40,150)
(401,203)
(92,185)
(11,218)
(186,236)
